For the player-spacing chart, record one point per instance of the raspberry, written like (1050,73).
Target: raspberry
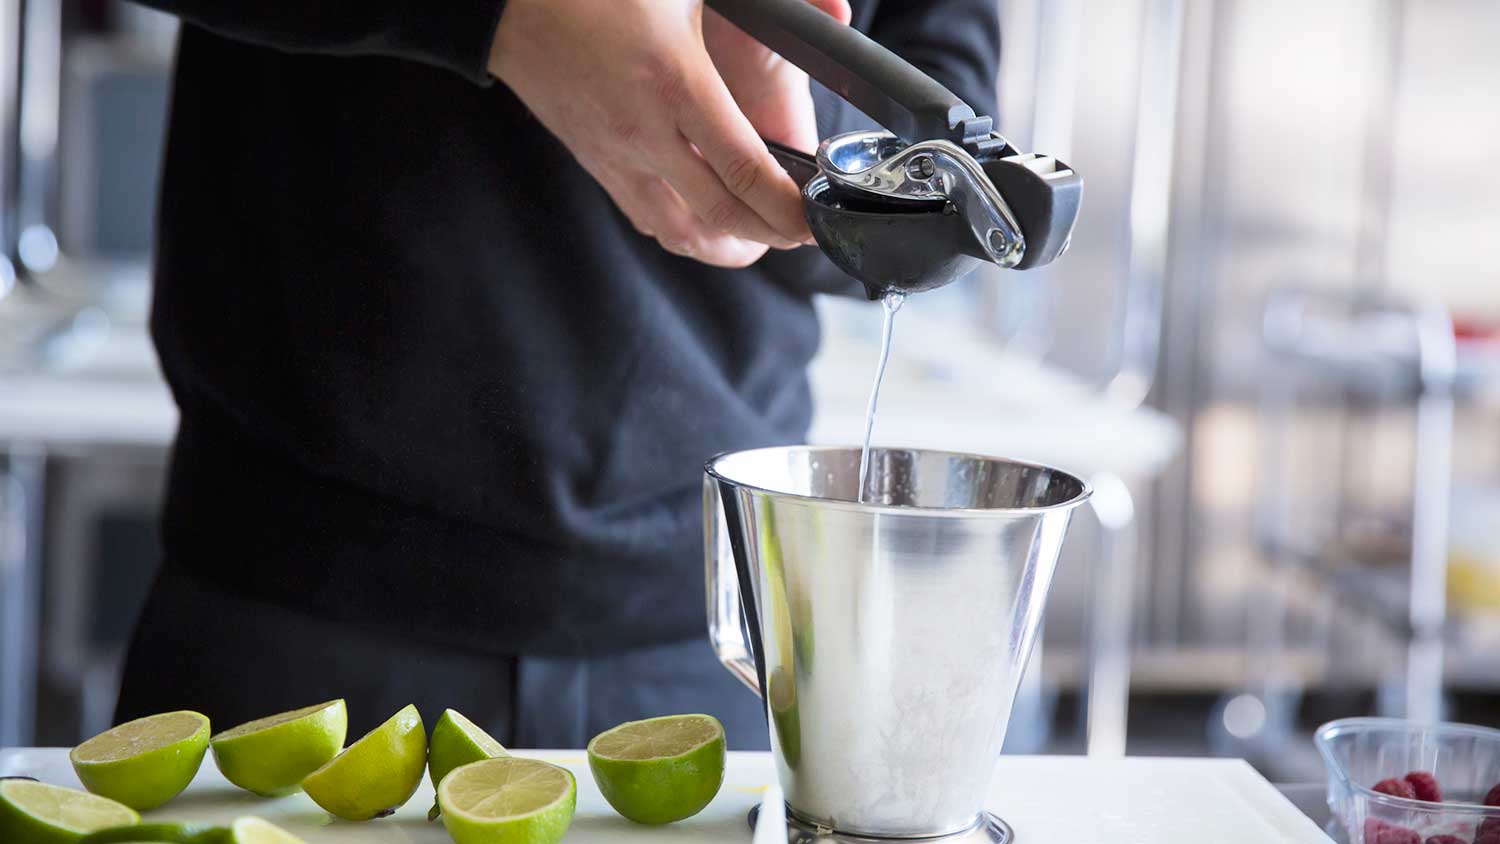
(1396,788)
(1490,826)
(1492,838)
(1383,832)
(1425,785)
(1396,835)
(1445,839)
(1493,798)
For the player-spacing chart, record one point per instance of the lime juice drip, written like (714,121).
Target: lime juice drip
(891,303)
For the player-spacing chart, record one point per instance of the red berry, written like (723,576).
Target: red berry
(1383,832)
(1493,798)
(1445,839)
(1396,788)
(1490,826)
(1396,835)
(1492,838)
(1425,785)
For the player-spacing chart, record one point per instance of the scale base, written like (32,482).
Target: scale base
(989,830)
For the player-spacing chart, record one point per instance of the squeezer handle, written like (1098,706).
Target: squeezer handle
(916,107)
(870,77)
(797,164)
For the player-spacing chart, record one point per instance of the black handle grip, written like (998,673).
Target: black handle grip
(799,165)
(873,79)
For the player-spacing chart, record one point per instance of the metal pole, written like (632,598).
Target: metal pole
(21,493)
(40,117)
(1111,602)
(1150,202)
(10,98)
(1432,483)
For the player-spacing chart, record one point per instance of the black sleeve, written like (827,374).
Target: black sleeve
(453,34)
(957,42)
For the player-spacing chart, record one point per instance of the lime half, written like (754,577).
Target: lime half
(168,833)
(271,755)
(257,831)
(456,741)
(37,813)
(508,801)
(376,775)
(662,769)
(146,762)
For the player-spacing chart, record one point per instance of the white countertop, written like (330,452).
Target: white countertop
(1046,799)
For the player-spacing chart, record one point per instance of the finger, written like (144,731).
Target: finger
(739,159)
(711,200)
(681,232)
(837,9)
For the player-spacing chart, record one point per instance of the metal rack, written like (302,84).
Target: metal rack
(1353,355)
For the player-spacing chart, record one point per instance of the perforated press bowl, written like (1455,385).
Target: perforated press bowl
(1360,752)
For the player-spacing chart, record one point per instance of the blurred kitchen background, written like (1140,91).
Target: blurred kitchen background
(1274,348)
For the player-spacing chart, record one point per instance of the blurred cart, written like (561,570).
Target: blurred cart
(1358,403)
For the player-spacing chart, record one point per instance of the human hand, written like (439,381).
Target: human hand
(629,88)
(771,91)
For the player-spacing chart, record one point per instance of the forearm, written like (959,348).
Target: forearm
(454,34)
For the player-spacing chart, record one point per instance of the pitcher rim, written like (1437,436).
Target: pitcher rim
(1085,489)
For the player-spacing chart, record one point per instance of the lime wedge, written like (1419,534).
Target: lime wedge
(271,755)
(662,769)
(146,762)
(168,833)
(376,775)
(37,813)
(508,801)
(257,831)
(457,741)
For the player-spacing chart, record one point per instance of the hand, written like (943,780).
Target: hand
(630,90)
(771,91)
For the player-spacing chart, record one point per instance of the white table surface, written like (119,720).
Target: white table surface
(1047,799)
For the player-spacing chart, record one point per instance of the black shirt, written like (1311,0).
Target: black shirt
(430,379)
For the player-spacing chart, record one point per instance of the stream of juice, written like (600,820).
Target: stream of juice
(891,303)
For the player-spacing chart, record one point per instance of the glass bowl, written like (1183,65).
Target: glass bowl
(1360,752)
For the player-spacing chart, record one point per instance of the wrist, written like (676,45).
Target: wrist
(503,36)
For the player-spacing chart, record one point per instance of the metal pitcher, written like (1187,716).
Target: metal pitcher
(887,638)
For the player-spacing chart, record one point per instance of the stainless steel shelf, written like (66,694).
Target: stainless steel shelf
(1381,587)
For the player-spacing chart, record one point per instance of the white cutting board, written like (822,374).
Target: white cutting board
(1047,799)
